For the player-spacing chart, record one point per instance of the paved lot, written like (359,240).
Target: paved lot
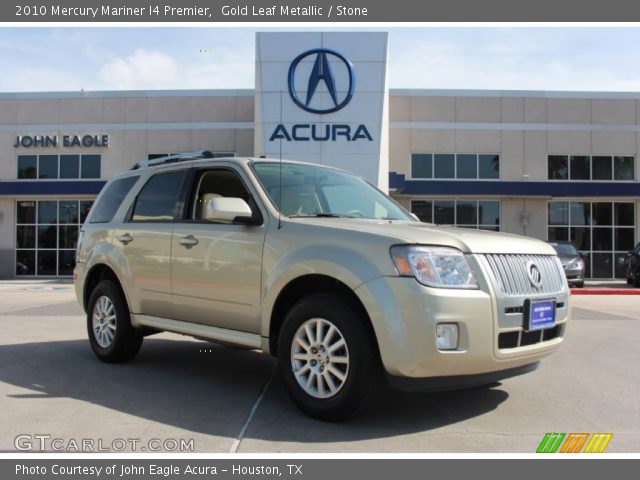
(50,383)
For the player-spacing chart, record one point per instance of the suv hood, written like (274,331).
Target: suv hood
(467,240)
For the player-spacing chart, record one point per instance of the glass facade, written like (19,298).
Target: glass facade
(464,166)
(484,214)
(63,167)
(46,235)
(597,168)
(604,231)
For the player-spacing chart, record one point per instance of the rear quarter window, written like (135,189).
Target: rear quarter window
(110,200)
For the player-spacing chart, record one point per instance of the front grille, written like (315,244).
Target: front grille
(511,276)
(522,338)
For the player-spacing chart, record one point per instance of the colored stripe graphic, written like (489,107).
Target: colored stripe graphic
(574,443)
(598,442)
(550,442)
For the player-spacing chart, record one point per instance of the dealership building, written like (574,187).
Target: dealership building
(551,165)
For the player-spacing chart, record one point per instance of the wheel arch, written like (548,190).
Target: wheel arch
(97,273)
(306,285)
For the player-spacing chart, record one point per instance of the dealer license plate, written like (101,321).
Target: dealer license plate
(542,314)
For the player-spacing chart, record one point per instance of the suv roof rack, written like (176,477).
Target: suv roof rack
(180,157)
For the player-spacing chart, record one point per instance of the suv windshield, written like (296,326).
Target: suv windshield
(315,191)
(565,249)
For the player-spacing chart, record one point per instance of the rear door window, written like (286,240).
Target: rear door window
(111,199)
(158,199)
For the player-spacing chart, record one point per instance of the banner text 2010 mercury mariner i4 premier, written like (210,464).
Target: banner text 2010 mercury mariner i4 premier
(318,268)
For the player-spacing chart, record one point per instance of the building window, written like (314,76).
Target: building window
(46,235)
(603,231)
(597,167)
(53,167)
(483,214)
(449,166)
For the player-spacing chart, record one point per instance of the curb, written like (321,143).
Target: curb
(605,291)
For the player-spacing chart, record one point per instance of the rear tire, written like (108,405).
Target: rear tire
(111,335)
(332,374)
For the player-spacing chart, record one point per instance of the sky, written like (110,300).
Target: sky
(496,58)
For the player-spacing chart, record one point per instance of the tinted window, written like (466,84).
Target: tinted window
(444,166)
(489,213)
(624,214)
(26,212)
(421,165)
(423,210)
(558,214)
(489,166)
(444,212)
(27,166)
(558,167)
(69,166)
(47,212)
(68,212)
(602,214)
(111,199)
(602,168)
(623,168)
(85,207)
(48,166)
(467,166)
(158,200)
(90,166)
(580,169)
(467,213)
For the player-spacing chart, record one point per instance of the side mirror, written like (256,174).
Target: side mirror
(227,209)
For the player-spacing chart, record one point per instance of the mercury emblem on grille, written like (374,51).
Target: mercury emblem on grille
(535,276)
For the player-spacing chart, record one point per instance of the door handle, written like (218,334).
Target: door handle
(125,238)
(189,241)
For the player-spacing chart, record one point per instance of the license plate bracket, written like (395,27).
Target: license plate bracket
(539,314)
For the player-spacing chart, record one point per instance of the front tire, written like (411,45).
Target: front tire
(328,358)
(111,335)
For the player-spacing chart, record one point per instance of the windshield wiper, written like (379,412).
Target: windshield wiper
(320,215)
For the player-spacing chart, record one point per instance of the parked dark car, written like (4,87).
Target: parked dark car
(572,262)
(633,270)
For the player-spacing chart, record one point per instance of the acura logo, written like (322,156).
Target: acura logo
(535,276)
(322,71)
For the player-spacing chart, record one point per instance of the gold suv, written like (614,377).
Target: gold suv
(317,267)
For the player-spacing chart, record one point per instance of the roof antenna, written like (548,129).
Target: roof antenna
(280,172)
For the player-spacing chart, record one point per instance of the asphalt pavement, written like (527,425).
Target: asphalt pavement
(180,392)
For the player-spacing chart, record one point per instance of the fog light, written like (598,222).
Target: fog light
(447,336)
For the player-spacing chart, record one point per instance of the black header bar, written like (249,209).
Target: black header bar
(325,11)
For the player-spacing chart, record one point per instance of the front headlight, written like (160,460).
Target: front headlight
(576,263)
(440,267)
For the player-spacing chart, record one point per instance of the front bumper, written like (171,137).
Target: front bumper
(405,313)
(574,274)
(439,384)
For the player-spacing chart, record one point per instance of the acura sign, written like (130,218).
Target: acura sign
(322,71)
(321,74)
(322,97)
